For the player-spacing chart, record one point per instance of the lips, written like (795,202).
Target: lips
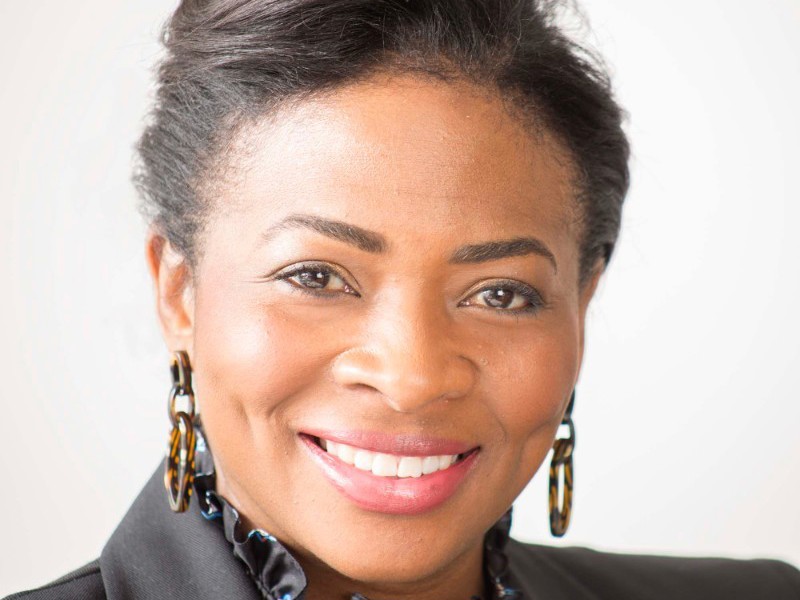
(388,465)
(391,474)
(401,445)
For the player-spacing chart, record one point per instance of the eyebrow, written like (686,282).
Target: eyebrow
(375,243)
(363,239)
(478,253)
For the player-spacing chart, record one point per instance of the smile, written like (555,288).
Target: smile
(395,475)
(388,465)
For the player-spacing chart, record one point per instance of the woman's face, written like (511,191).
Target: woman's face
(393,267)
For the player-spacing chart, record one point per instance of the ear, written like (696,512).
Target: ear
(587,291)
(585,295)
(174,292)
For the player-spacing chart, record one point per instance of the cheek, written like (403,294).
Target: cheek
(531,381)
(251,362)
(236,352)
(540,383)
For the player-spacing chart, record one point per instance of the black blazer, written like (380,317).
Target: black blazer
(155,554)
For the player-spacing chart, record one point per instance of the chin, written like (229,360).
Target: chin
(384,562)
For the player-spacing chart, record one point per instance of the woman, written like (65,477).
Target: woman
(353,417)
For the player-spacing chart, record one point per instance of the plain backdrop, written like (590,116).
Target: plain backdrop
(687,411)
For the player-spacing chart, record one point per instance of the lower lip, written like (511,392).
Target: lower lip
(392,495)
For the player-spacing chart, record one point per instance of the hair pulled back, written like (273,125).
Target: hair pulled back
(229,60)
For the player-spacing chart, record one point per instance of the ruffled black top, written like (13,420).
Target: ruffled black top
(278,575)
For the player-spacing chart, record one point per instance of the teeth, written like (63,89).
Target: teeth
(445,460)
(410,466)
(385,465)
(364,459)
(430,464)
(388,465)
(346,453)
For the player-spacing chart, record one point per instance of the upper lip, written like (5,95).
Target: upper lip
(402,444)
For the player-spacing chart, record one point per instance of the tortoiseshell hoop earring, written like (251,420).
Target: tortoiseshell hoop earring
(561,500)
(179,463)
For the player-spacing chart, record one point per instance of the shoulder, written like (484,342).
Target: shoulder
(607,575)
(85,583)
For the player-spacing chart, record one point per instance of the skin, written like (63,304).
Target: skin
(418,348)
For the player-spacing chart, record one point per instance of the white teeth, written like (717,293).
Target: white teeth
(385,465)
(363,460)
(445,460)
(346,453)
(410,466)
(430,464)
(388,465)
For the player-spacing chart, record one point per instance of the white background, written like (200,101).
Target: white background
(687,413)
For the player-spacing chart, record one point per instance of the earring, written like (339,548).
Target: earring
(561,500)
(179,463)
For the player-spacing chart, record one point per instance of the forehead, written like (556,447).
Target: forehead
(407,156)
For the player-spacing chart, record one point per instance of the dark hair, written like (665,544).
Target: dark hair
(232,60)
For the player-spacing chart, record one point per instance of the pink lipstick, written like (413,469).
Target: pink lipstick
(394,474)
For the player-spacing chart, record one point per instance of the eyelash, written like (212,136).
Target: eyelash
(314,267)
(533,297)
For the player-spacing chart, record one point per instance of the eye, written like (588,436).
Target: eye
(508,296)
(317,279)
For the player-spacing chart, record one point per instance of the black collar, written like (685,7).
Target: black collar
(203,553)
(155,553)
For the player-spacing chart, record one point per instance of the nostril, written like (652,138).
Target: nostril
(405,379)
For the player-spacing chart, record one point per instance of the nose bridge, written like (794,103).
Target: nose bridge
(408,354)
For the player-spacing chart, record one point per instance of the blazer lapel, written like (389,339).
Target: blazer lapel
(539,578)
(155,554)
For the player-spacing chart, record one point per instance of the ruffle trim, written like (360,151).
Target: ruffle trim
(277,574)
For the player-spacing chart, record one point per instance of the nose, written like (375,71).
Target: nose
(410,356)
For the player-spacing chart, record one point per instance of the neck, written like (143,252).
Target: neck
(460,580)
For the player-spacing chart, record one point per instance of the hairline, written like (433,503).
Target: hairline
(240,129)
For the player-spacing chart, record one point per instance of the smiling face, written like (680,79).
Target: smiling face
(393,267)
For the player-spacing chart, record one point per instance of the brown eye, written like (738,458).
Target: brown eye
(501,298)
(316,279)
(313,278)
(510,296)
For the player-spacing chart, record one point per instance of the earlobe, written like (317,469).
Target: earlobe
(172,283)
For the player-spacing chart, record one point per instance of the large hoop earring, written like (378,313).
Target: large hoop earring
(560,500)
(179,464)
